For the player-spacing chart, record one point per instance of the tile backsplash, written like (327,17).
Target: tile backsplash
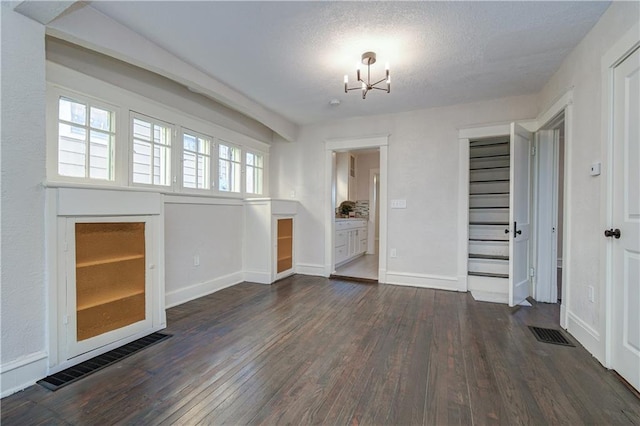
(362,208)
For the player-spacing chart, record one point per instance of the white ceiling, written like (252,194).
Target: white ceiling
(291,56)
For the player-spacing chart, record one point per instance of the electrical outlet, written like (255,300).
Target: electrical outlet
(196,260)
(592,295)
(393,253)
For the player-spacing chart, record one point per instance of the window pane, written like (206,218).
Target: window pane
(235,154)
(189,142)
(204,146)
(249,159)
(223,175)
(100,119)
(258,186)
(161,135)
(224,152)
(72,150)
(189,170)
(72,111)
(259,160)
(250,177)
(163,176)
(100,155)
(141,162)
(141,129)
(203,172)
(235,180)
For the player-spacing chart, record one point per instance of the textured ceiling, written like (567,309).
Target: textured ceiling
(292,56)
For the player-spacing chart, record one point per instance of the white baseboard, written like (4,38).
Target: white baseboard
(259,277)
(183,295)
(22,373)
(586,335)
(310,269)
(488,296)
(439,282)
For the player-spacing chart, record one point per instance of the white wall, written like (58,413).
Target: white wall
(152,86)
(23,169)
(582,70)
(212,232)
(423,169)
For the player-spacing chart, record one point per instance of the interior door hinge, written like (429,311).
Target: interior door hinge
(532,272)
(533,150)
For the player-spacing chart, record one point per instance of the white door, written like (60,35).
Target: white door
(519,213)
(625,262)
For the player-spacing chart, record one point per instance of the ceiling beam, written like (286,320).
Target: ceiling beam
(93,30)
(42,11)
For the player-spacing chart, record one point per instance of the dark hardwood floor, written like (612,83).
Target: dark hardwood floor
(312,350)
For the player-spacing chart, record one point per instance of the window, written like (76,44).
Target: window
(255,172)
(229,168)
(86,140)
(196,161)
(151,151)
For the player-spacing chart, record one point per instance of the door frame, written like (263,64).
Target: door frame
(610,60)
(464,137)
(374,201)
(543,249)
(547,120)
(333,145)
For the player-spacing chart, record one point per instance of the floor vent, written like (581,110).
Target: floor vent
(549,335)
(77,372)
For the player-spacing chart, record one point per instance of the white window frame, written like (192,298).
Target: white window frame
(66,82)
(255,153)
(213,159)
(240,163)
(172,151)
(54,94)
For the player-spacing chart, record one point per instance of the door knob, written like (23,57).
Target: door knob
(612,233)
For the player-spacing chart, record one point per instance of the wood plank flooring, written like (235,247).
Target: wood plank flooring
(311,350)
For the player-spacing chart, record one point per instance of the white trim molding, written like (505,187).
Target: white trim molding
(438,282)
(186,294)
(586,335)
(23,372)
(313,269)
(347,144)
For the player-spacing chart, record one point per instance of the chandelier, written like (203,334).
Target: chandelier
(368,58)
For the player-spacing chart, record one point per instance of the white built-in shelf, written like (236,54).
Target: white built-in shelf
(108,260)
(101,300)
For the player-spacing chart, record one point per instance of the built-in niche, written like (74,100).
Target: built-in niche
(109,288)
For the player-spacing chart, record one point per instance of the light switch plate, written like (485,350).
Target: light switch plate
(596,169)
(398,204)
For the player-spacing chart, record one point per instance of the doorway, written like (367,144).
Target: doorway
(332,148)
(549,211)
(356,188)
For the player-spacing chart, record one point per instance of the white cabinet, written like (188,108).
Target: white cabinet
(350,240)
(269,242)
(109,271)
